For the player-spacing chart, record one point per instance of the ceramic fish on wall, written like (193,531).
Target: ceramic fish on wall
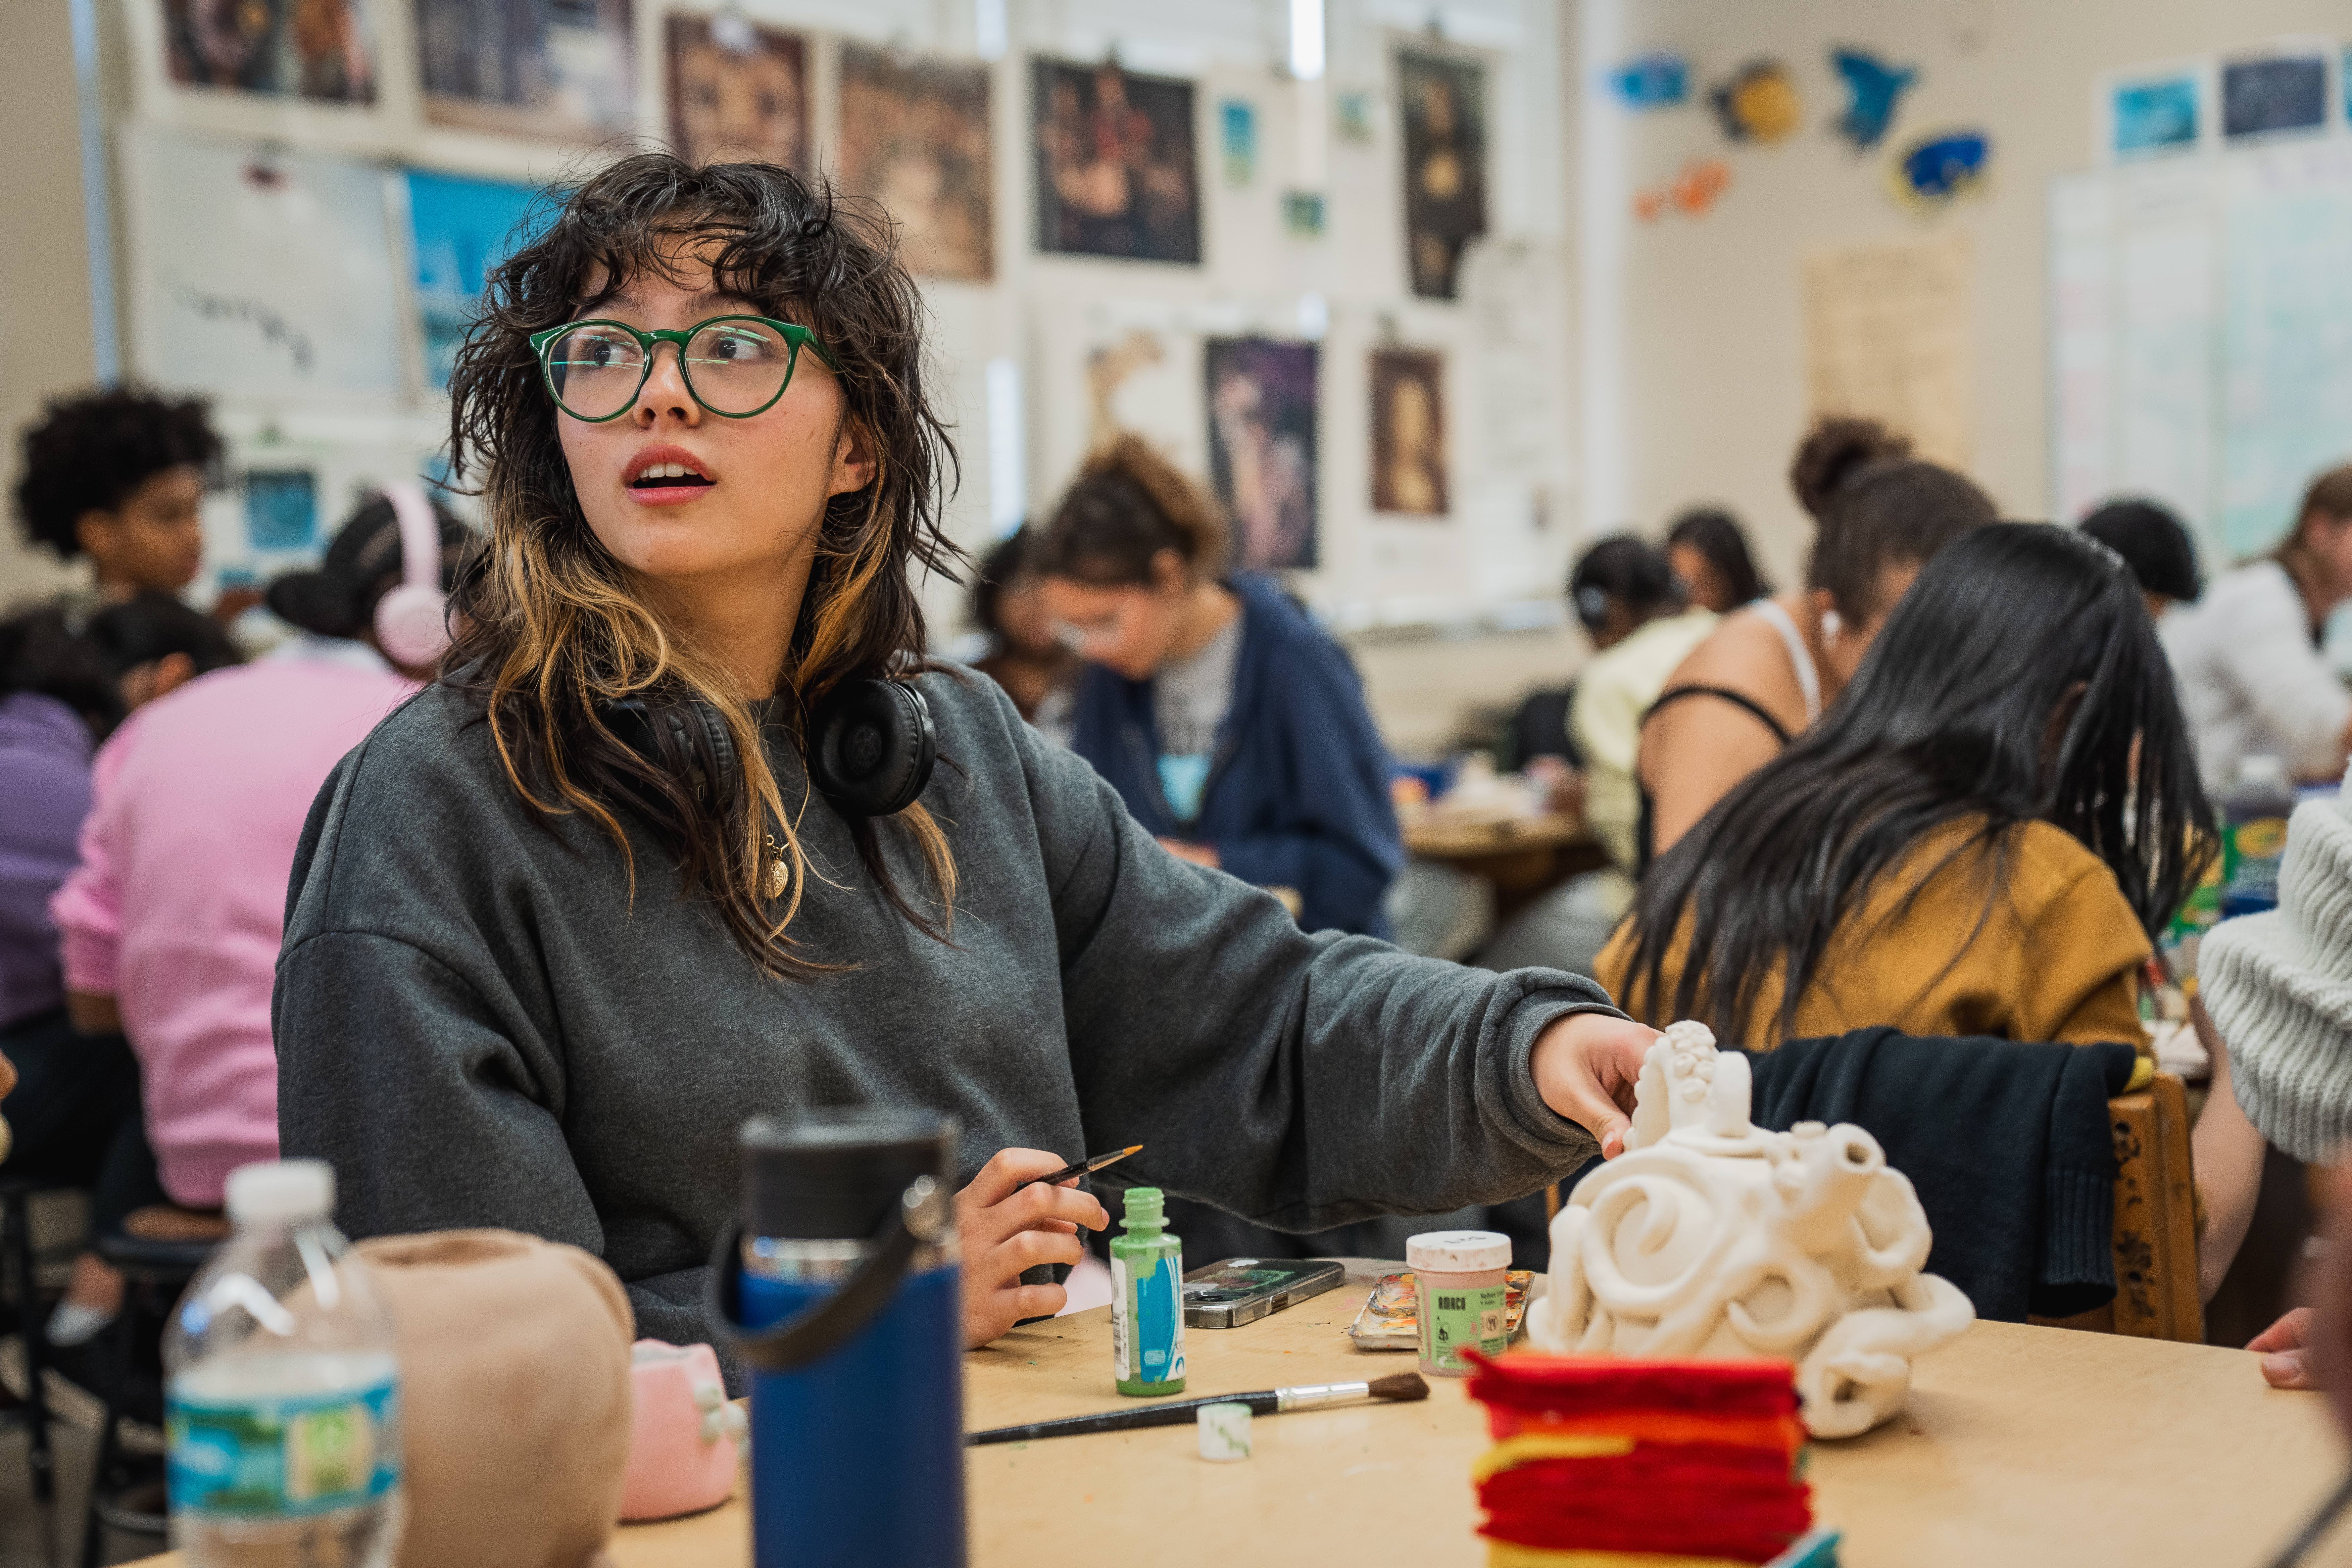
(1653,81)
(1939,168)
(1875,88)
(1758,103)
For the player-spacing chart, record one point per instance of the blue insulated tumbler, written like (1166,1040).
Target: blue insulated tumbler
(838,1289)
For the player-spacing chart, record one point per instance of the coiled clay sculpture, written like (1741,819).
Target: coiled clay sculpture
(1710,1236)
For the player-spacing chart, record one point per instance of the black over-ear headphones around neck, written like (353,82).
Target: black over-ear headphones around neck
(871,745)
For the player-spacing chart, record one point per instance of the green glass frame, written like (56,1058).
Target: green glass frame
(798,336)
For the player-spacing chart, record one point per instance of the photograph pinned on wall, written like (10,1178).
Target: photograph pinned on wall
(324,326)
(1444,166)
(281,508)
(737,90)
(1237,139)
(2150,115)
(1261,397)
(1409,432)
(1117,174)
(1302,214)
(458,229)
(558,68)
(302,48)
(915,136)
(2273,94)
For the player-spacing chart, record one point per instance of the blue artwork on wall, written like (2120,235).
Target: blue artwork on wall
(2155,115)
(2284,92)
(459,229)
(1653,81)
(1873,87)
(281,508)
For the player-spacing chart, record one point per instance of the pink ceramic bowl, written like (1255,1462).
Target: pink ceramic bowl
(684,1436)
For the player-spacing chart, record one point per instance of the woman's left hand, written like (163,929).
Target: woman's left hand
(1586,1066)
(1005,1228)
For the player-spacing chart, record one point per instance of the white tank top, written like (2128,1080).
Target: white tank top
(1809,679)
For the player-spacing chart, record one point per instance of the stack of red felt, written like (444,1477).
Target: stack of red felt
(1652,1461)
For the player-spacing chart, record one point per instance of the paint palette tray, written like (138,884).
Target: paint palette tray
(1390,1318)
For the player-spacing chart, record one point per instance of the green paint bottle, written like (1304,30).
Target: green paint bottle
(1147,1300)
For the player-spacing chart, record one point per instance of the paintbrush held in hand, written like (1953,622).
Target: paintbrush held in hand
(1402,1386)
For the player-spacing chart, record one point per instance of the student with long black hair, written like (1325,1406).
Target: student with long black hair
(604,891)
(1980,839)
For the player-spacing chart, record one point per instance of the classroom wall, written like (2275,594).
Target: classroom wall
(1694,354)
(45,314)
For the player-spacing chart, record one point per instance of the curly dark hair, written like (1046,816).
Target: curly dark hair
(551,630)
(1127,505)
(88,453)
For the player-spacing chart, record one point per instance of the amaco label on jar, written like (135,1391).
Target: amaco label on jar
(1457,1321)
(278,1456)
(1147,1323)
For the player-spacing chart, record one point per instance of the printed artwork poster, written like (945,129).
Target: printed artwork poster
(1118,172)
(458,229)
(1409,432)
(737,92)
(261,273)
(2155,114)
(2275,93)
(300,48)
(915,137)
(1262,448)
(281,508)
(1444,166)
(558,68)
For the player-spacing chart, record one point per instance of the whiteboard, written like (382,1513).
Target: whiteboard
(2200,337)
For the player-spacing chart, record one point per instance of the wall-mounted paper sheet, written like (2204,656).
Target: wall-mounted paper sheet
(1886,338)
(260,273)
(458,229)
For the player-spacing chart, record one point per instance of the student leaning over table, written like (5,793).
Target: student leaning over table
(531,981)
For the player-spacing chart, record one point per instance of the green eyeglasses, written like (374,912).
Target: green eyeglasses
(735,367)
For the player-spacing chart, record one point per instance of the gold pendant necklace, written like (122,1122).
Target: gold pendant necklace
(779,879)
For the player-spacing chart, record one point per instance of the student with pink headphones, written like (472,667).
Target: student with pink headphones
(171,921)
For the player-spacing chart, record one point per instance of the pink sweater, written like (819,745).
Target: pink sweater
(175,910)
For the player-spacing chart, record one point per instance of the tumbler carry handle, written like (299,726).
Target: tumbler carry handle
(823,1326)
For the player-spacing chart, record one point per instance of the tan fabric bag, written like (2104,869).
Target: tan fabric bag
(514,1365)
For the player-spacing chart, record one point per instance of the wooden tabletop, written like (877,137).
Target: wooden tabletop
(2020,1445)
(1435,839)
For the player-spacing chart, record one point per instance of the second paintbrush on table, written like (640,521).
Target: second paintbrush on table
(1402,1386)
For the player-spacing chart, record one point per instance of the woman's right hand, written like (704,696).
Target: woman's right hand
(2290,1350)
(1005,1228)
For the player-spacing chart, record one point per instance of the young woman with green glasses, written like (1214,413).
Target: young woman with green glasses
(536,977)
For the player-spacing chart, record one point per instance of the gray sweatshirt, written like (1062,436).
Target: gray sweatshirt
(478,1026)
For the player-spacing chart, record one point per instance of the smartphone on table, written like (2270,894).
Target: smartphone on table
(1242,1290)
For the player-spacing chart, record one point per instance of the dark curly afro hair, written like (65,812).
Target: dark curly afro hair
(88,453)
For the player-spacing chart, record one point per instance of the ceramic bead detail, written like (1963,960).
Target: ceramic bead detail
(1710,1236)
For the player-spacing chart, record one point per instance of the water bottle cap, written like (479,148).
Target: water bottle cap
(282,1192)
(836,1174)
(1146,1208)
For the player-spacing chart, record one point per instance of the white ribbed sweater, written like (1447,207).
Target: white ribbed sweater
(2279,987)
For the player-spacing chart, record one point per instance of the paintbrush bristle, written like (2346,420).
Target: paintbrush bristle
(1402,1386)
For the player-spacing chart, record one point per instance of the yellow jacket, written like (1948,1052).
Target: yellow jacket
(2053,954)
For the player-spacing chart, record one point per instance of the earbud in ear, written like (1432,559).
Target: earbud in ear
(1832,627)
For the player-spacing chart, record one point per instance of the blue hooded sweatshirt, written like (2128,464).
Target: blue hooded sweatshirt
(1297,794)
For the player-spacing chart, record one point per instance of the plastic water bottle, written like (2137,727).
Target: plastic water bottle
(2253,836)
(283,1389)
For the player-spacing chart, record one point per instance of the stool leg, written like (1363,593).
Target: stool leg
(18,1222)
(116,1374)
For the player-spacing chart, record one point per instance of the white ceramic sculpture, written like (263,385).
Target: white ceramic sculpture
(1709,1236)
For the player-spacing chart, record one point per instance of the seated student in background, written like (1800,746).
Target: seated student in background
(1037,669)
(117,476)
(171,919)
(1630,604)
(2247,653)
(75,1110)
(1235,731)
(1978,839)
(2153,544)
(1710,559)
(1769,671)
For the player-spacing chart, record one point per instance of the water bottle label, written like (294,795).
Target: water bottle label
(273,1457)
